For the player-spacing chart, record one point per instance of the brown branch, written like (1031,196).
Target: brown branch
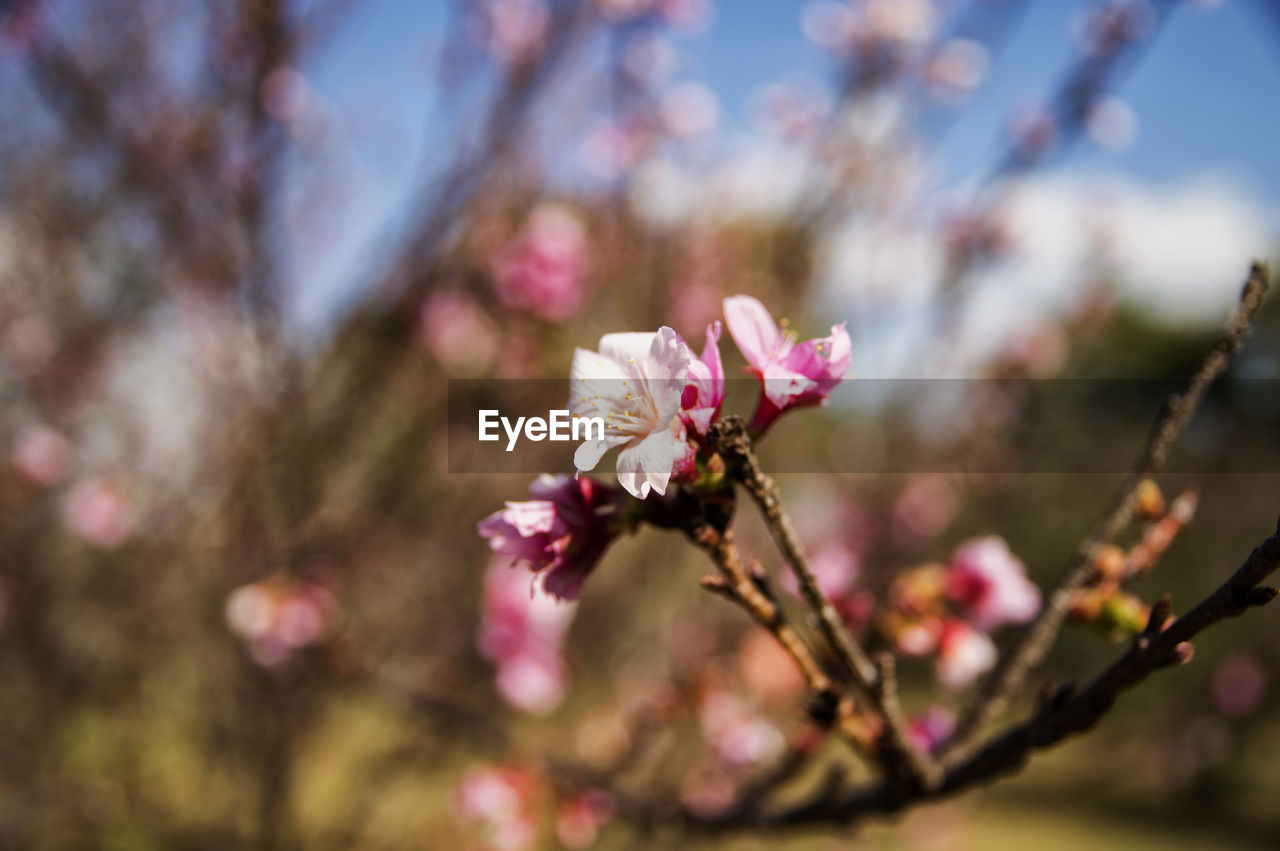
(739,586)
(1010,676)
(1064,713)
(898,753)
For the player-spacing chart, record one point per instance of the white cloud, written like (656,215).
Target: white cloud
(1180,251)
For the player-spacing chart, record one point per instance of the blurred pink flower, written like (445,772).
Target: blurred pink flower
(579,819)
(285,94)
(515,29)
(791,109)
(924,508)
(689,109)
(544,269)
(501,799)
(741,737)
(964,654)
(919,636)
(991,584)
(791,375)
(955,68)
(931,728)
(97,511)
(704,394)
(688,16)
(522,632)
(635,382)
(834,566)
(614,146)
(563,530)
(277,617)
(454,328)
(42,455)
(1239,687)
(621,10)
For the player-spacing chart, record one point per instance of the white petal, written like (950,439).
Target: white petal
(588,455)
(629,349)
(648,464)
(666,368)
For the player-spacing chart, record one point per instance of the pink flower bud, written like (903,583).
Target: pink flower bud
(561,533)
(544,270)
(991,584)
(964,654)
(792,375)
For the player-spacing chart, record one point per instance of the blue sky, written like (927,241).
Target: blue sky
(1206,92)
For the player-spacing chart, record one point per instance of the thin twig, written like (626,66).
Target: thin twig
(1010,676)
(1065,713)
(898,752)
(737,585)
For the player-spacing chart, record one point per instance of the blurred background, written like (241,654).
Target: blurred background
(245,245)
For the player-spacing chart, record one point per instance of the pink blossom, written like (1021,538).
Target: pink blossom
(523,633)
(931,728)
(516,29)
(1239,687)
(635,383)
(501,800)
(991,583)
(579,819)
(741,737)
(458,333)
(834,566)
(277,617)
(563,530)
(924,508)
(792,375)
(97,511)
(704,394)
(42,455)
(918,637)
(544,269)
(688,16)
(964,654)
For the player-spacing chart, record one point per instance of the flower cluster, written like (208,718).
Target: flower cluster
(279,616)
(504,803)
(653,393)
(658,401)
(522,633)
(560,534)
(950,611)
(544,269)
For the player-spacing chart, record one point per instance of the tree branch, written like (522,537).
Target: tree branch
(898,753)
(1010,676)
(1067,712)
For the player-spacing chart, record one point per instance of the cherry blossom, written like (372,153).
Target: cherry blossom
(635,383)
(792,375)
(704,394)
(560,533)
(991,584)
(523,634)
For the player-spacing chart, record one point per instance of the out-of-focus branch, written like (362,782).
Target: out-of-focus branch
(749,590)
(874,680)
(1009,677)
(1067,712)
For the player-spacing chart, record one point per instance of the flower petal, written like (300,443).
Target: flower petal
(647,465)
(752,328)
